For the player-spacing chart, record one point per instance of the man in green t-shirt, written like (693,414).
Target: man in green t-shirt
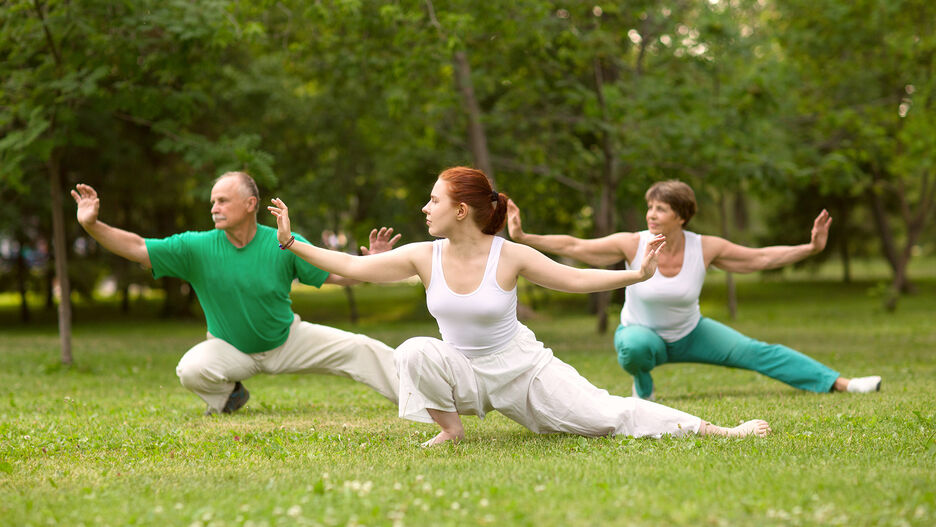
(243,279)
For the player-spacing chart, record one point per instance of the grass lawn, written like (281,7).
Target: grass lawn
(115,440)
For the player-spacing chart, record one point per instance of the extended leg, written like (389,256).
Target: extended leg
(321,349)
(714,343)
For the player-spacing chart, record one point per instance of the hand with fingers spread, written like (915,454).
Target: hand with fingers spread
(380,241)
(279,209)
(88,204)
(820,231)
(648,265)
(514,225)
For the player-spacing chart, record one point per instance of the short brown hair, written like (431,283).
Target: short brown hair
(678,195)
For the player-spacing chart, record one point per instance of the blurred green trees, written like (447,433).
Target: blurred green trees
(348,109)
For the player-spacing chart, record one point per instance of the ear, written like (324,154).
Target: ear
(461,212)
(252,203)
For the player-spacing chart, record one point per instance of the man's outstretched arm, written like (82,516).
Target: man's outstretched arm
(120,242)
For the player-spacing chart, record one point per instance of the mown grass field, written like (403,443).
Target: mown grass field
(115,440)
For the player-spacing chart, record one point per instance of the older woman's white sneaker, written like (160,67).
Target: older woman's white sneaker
(864,384)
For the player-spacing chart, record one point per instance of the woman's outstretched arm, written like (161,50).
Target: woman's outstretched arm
(390,266)
(736,258)
(539,269)
(599,251)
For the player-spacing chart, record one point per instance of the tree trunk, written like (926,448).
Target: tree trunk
(844,212)
(729,277)
(915,223)
(882,224)
(50,285)
(604,214)
(352,304)
(477,140)
(122,277)
(22,272)
(61,259)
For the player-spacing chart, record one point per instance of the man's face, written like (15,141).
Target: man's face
(230,206)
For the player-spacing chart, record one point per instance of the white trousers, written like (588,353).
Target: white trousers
(211,367)
(525,382)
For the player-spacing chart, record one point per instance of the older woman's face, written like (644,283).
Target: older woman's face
(661,218)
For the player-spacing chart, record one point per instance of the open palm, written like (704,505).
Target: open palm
(88,203)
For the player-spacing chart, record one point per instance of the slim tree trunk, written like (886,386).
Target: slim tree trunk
(50,285)
(843,234)
(22,272)
(882,224)
(61,259)
(729,277)
(352,304)
(477,140)
(604,217)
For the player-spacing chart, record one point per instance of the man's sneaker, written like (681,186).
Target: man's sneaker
(237,399)
(864,384)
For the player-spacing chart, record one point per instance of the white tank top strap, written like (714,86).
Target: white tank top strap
(490,271)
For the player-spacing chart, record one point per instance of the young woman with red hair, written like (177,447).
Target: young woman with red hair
(487,360)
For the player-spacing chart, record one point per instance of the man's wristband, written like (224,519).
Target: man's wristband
(288,244)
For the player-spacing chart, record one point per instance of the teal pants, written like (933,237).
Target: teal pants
(640,349)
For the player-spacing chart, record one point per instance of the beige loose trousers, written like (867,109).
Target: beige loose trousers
(211,367)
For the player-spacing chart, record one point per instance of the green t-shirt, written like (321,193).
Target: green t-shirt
(244,292)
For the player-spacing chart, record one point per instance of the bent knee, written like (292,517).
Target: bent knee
(412,353)
(636,358)
(190,374)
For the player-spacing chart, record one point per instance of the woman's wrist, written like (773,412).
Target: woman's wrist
(288,243)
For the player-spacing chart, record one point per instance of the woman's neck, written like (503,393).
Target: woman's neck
(675,241)
(467,242)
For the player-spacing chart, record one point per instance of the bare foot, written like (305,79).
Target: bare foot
(757,427)
(442,438)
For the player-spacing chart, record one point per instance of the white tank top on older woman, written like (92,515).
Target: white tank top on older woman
(476,323)
(667,305)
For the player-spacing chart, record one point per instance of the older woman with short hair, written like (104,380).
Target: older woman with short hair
(661,321)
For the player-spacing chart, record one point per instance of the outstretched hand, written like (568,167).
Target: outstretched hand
(648,265)
(88,204)
(380,241)
(281,212)
(820,231)
(514,225)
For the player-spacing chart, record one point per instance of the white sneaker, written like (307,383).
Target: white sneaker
(635,395)
(864,384)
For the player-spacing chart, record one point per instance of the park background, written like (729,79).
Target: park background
(771,110)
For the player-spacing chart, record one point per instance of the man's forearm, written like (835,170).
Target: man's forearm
(123,243)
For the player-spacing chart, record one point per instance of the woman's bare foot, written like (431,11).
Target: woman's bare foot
(756,427)
(442,438)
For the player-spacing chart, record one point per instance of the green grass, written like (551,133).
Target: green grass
(115,440)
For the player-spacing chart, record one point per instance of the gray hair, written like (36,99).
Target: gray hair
(248,185)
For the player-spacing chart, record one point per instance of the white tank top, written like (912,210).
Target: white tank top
(667,305)
(477,323)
